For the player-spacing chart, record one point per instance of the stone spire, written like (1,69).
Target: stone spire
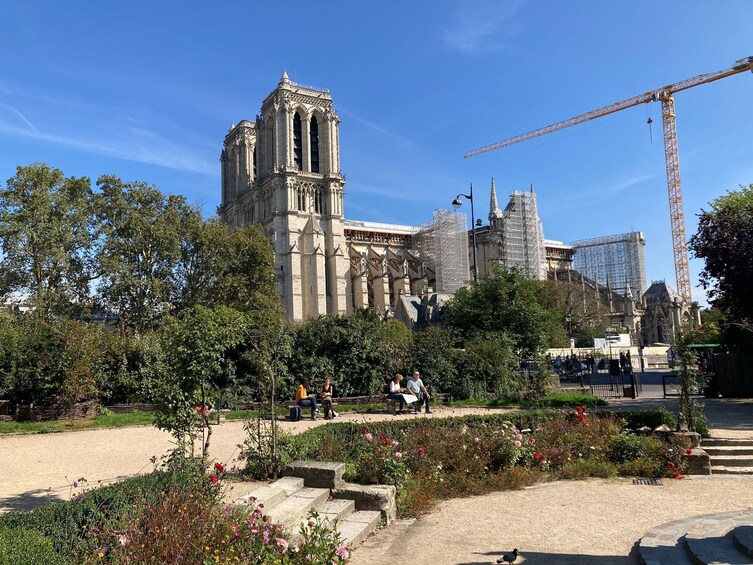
(494,211)
(284,78)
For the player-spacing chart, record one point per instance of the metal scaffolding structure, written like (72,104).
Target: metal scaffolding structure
(523,236)
(616,261)
(443,244)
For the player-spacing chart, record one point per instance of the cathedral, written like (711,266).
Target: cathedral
(283,172)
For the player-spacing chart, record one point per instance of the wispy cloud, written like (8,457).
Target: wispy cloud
(15,116)
(374,126)
(627,183)
(132,146)
(105,131)
(481,27)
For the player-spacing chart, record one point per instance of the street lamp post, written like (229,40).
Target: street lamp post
(457,203)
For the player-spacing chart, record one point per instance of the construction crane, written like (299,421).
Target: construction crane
(665,96)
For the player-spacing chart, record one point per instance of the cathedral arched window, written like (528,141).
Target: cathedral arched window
(319,201)
(314,144)
(297,142)
(254,157)
(301,196)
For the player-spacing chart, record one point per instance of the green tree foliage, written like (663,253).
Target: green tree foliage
(491,366)
(725,242)
(142,230)
(194,365)
(47,236)
(436,355)
(507,304)
(354,350)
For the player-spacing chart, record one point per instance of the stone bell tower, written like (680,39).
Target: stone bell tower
(283,171)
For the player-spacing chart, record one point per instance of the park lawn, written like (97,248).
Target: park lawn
(110,420)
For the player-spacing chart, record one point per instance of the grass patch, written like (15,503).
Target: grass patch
(108,420)
(554,400)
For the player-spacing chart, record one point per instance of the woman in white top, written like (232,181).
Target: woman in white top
(396,392)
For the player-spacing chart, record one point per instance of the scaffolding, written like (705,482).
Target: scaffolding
(523,236)
(443,245)
(616,261)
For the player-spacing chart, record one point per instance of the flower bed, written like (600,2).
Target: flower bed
(443,458)
(170,516)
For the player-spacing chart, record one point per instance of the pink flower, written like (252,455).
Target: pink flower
(282,544)
(368,437)
(343,552)
(265,535)
(398,455)
(519,436)
(518,444)
(395,443)
(465,447)
(505,426)
(532,441)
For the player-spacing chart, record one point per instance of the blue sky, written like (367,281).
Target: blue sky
(147,91)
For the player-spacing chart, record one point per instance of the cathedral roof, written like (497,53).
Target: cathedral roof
(660,292)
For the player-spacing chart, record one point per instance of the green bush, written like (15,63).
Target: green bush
(28,547)
(626,447)
(590,467)
(637,419)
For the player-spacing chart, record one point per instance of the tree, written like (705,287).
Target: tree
(47,237)
(510,304)
(725,242)
(142,229)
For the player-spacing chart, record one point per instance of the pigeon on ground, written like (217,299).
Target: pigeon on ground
(509,557)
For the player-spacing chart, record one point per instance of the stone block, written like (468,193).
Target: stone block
(698,462)
(370,497)
(317,474)
(686,439)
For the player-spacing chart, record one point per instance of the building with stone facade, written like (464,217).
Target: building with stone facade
(283,171)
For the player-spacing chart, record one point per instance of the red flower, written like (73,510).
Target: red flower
(219,467)
(421,451)
(363,430)
(671,465)
(676,475)
(689,451)
(213,479)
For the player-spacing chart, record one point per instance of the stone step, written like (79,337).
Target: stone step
(271,494)
(698,540)
(732,461)
(294,508)
(743,537)
(726,442)
(709,541)
(715,451)
(336,509)
(358,525)
(724,470)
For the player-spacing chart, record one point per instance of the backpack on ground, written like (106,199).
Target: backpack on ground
(295,413)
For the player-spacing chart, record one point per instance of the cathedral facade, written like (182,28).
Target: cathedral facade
(283,171)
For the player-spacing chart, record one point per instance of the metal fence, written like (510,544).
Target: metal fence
(605,376)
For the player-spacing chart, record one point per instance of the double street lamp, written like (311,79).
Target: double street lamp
(457,203)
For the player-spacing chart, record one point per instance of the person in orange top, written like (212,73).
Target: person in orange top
(303,398)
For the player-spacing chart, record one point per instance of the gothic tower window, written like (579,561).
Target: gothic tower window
(319,201)
(301,199)
(297,142)
(254,161)
(314,145)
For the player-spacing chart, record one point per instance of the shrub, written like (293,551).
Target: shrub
(21,545)
(637,419)
(625,447)
(584,468)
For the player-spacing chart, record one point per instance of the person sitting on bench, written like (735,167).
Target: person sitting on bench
(303,398)
(396,392)
(326,399)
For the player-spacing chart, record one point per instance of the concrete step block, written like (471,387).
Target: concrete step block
(726,442)
(733,460)
(716,450)
(357,526)
(336,509)
(735,470)
(293,509)
(317,474)
(708,544)
(266,497)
